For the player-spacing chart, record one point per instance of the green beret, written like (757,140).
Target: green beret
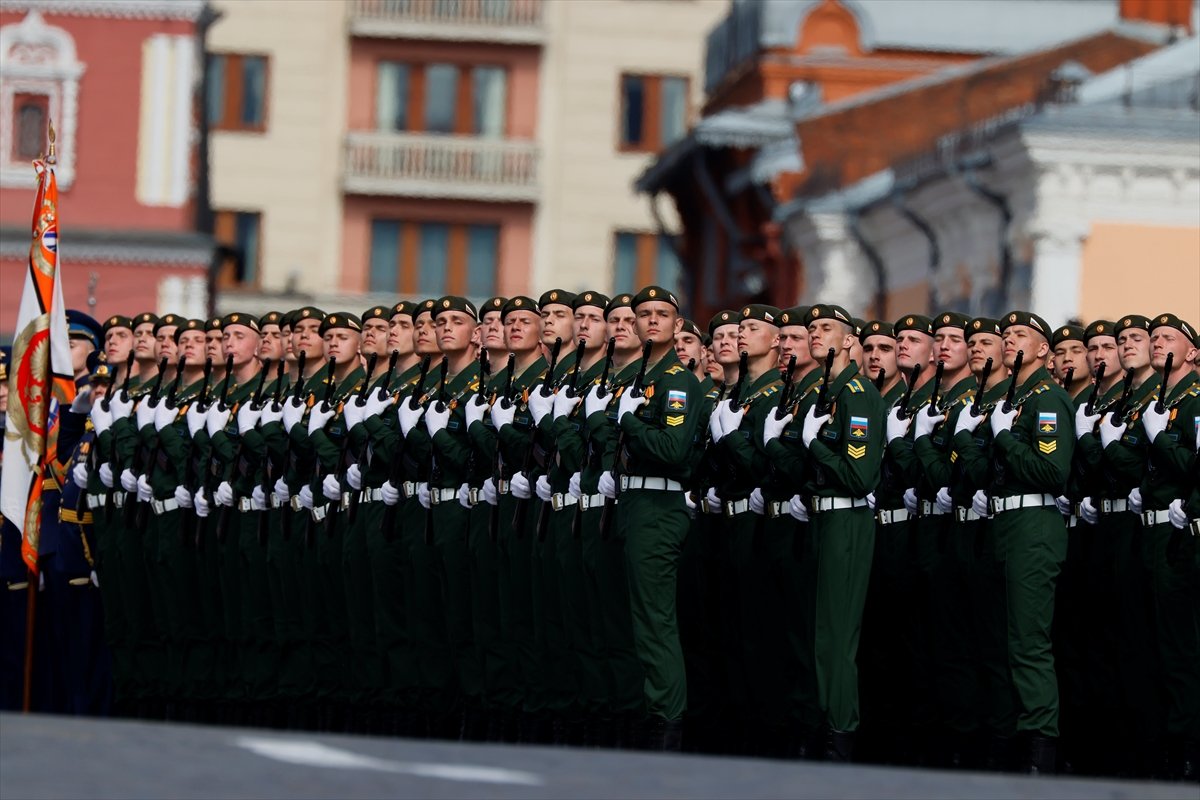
(406,308)
(271,318)
(188,325)
(455,303)
(984,325)
(762,313)
(340,319)
(1132,321)
(117,321)
(556,296)
(878,327)
(377,312)
(913,322)
(618,301)
(827,311)
(1028,319)
(307,312)
(1172,321)
(166,321)
(793,316)
(492,304)
(858,324)
(213,324)
(146,317)
(1067,333)
(726,317)
(518,303)
(238,318)
(654,293)
(425,307)
(590,298)
(692,328)
(951,319)
(1101,327)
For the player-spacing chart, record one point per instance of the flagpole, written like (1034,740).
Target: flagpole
(34,581)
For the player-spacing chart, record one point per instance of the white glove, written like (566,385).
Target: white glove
(911,501)
(1154,421)
(318,416)
(539,405)
(423,495)
(216,418)
(629,403)
(689,502)
(331,488)
(714,501)
(183,497)
(282,491)
(564,403)
(201,504)
(1085,423)
(82,403)
(377,403)
(144,493)
(967,421)
(293,412)
(1177,515)
(79,475)
(1109,431)
(1002,420)
(731,416)
(542,489)
(306,497)
(1063,504)
(196,418)
(757,504)
(490,494)
(773,428)
(464,495)
(503,413)
(1088,511)
(897,426)
(223,496)
(797,508)
(871,500)
(120,404)
(164,415)
(106,475)
(95,579)
(437,420)
(519,486)
(596,400)
(945,502)
(979,503)
(927,420)
(101,419)
(812,425)
(608,485)
(128,480)
(271,412)
(353,413)
(258,499)
(715,430)
(389,494)
(144,413)
(354,477)
(1135,500)
(248,417)
(575,487)
(477,406)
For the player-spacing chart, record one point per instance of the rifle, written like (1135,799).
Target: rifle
(1068,377)
(439,404)
(592,455)
(396,473)
(297,395)
(691,365)
(485,373)
(141,509)
(913,374)
(359,400)
(520,512)
(1091,402)
(977,403)
(1012,385)
(785,392)
(267,484)
(188,529)
(310,531)
(879,378)
(937,385)
(139,453)
(361,456)
(823,392)
(213,475)
(254,401)
(543,520)
(606,514)
(743,368)
(1121,407)
(498,463)
(1161,405)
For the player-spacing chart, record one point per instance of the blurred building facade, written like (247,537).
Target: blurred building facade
(118,80)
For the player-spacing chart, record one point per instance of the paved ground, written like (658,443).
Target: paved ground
(42,756)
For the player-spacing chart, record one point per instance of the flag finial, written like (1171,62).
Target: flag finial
(50,158)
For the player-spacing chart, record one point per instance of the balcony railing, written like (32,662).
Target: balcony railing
(512,21)
(457,167)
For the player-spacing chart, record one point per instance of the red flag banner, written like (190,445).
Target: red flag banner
(40,375)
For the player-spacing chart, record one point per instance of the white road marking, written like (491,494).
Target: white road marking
(315,754)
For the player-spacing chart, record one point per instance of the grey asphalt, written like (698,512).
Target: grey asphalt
(56,757)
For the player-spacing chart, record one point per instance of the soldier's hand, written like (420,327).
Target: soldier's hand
(911,501)
(757,504)
(282,491)
(306,497)
(979,503)
(389,494)
(519,486)
(271,412)
(715,429)
(1178,515)
(732,415)
(477,406)
(223,496)
(144,493)
(464,495)
(1135,500)
(490,494)
(1002,420)
(128,480)
(713,500)
(378,402)
(1088,511)
(331,488)
(503,413)
(797,508)
(165,414)
(436,420)
(870,500)
(102,418)
(196,418)
(215,419)
(409,417)
(248,417)
(897,424)
(144,413)
(201,503)
(293,412)
(106,475)
(1154,421)
(354,477)
(423,495)
(319,416)
(968,420)
(1110,431)
(82,403)
(564,403)
(629,403)
(258,499)
(927,420)
(120,404)
(596,400)
(79,474)
(540,404)
(608,485)
(945,502)
(812,424)
(183,498)
(1085,423)
(1063,504)
(773,428)
(542,489)
(575,487)
(353,413)
(689,502)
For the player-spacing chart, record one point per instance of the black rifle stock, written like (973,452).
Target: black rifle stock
(1098,378)
(606,514)
(1121,408)
(361,456)
(521,509)
(977,403)
(396,471)
(913,374)
(879,379)
(590,455)
(936,394)
(1068,377)
(1161,404)
(823,392)
(786,391)
(498,461)
(1011,395)
(359,400)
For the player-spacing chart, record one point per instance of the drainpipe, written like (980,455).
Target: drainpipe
(967,168)
(854,216)
(935,250)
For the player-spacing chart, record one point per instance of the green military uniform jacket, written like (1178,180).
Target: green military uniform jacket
(848,450)
(1035,456)
(660,433)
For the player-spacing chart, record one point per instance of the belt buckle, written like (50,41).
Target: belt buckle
(294,502)
(556,502)
(472,495)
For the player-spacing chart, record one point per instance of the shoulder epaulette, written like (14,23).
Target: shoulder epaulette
(713,393)
(855,386)
(675,370)
(1041,387)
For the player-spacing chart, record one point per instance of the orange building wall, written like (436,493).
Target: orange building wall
(1142,269)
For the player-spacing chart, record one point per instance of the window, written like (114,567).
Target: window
(237,92)
(641,259)
(441,98)
(433,258)
(30,112)
(238,235)
(653,112)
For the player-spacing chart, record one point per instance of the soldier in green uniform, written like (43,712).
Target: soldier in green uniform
(879,350)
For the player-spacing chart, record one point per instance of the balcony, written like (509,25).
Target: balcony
(452,167)
(507,21)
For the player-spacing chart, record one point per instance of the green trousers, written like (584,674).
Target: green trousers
(260,645)
(387,556)
(288,590)
(452,543)
(366,661)
(988,595)
(501,689)
(789,570)
(957,685)
(517,595)
(575,601)
(561,684)
(700,605)
(1175,585)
